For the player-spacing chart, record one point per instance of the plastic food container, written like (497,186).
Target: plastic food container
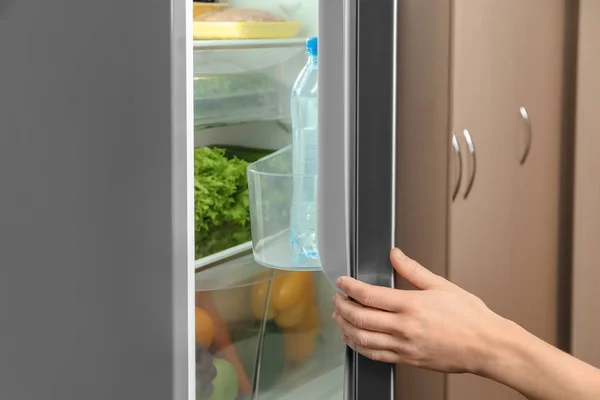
(246,30)
(262,329)
(270,189)
(232,98)
(204,8)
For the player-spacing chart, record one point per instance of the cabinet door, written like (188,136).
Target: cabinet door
(537,143)
(484,87)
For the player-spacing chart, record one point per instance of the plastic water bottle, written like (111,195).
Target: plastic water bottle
(304,157)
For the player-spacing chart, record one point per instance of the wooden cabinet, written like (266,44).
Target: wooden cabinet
(507,65)
(483,92)
(534,248)
(471,65)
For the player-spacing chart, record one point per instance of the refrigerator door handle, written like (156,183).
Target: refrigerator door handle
(527,120)
(456,148)
(471,148)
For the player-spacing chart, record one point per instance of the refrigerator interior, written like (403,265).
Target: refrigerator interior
(261,333)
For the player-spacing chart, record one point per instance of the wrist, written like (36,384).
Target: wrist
(502,349)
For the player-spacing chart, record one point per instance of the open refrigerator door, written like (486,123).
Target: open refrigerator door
(261,333)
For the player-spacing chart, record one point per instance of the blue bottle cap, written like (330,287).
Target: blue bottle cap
(312,46)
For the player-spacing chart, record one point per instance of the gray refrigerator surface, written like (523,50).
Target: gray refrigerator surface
(357,157)
(94,236)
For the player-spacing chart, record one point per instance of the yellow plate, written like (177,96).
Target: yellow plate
(246,30)
(204,8)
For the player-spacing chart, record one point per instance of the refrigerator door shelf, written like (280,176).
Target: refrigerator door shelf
(270,187)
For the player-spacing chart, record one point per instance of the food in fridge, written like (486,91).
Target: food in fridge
(204,8)
(225,384)
(239,15)
(245,153)
(205,372)
(222,343)
(290,289)
(292,316)
(279,301)
(243,23)
(232,303)
(234,98)
(245,30)
(222,218)
(220,200)
(300,340)
(258,302)
(291,304)
(205,328)
(212,86)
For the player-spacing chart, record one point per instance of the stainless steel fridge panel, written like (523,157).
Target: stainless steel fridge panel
(337,126)
(357,128)
(94,222)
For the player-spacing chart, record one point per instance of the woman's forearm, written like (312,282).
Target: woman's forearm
(536,369)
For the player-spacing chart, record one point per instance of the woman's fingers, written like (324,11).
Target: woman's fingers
(376,355)
(417,275)
(365,338)
(372,296)
(364,318)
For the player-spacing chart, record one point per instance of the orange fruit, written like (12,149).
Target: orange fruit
(310,321)
(258,301)
(299,345)
(290,289)
(299,340)
(205,328)
(292,316)
(312,291)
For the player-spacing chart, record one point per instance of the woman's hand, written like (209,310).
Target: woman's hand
(444,328)
(439,327)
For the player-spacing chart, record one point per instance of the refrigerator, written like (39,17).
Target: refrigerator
(135,145)
(276,312)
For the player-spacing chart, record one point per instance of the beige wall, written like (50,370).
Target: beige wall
(586,244)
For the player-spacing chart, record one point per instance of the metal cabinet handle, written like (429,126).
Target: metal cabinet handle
(527,120)
(471,147)
(456,148)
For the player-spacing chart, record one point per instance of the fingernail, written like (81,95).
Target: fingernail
(339,282)
(397,254)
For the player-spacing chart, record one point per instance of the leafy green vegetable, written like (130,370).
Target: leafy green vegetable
(245,153)
(222,218)
(221,238)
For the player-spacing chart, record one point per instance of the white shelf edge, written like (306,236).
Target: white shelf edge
(247,44)
(223,255)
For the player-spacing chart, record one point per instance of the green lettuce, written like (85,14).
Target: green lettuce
(222,218)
